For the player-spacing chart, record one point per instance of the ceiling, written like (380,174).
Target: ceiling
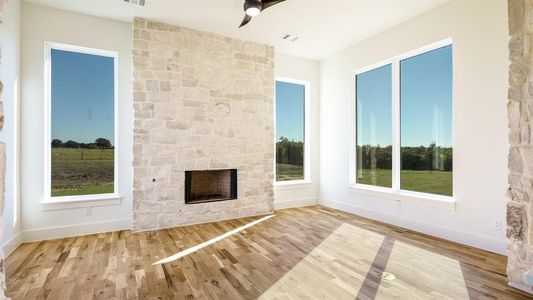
(324,27)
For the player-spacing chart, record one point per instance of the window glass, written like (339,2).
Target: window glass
(290,131)
(82,123)
(426,122)
(374,127)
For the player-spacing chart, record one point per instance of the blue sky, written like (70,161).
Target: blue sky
(374,107)
(426,98)
(290,108)
(82,97)
(426,101)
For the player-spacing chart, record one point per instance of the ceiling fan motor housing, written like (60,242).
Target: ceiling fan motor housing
(251,5)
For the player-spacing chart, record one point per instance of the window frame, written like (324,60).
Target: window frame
(54,202)
(307,135)
(395,192)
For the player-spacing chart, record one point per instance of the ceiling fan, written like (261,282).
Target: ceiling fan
(253,8)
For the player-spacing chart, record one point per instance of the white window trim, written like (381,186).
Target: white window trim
(48,202)
(394,193)
(307,138)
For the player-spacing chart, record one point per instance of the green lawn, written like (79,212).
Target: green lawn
(82,171)
(434,182)
(287,172)
(91,171)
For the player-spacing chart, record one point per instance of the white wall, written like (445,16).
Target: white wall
(307,70)
(480,39)
(40,24)
(9,72)
(480,83)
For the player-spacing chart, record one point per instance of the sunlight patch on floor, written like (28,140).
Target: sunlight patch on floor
(350,262)
(210,242)
(335,269)
(421,274)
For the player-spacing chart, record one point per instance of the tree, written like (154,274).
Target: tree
(71,144)
(430,157)
(57,143)
(289,152)
(103,143)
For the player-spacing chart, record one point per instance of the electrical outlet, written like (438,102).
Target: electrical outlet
(497,225)
(89,211)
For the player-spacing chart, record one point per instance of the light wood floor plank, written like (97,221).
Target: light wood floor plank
(305,253)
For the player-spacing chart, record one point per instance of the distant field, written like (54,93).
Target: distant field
(82,171)
(286,172)
(435,182)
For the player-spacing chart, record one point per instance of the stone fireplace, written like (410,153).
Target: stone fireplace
(210,186)
(201,101)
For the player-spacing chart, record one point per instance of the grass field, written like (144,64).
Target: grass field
(434,182)
(91,171)
(286,172)
(82,171)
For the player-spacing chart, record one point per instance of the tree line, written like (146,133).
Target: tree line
(430,157)
(99,143)
(289,152)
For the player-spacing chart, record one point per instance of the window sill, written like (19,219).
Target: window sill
(293,184)
(70,202)
(443,202)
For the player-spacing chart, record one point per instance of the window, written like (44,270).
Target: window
(404,123)
(292,140)
(81,115)
(374,127)
(426,122)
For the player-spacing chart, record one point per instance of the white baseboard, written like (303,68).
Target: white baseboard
(467,238)
(10,245)
(295,203)
(50,233)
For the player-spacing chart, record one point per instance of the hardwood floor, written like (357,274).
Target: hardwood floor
(312,252)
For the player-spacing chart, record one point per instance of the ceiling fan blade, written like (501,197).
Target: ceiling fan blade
(138,2)
(246,20)
(269,3)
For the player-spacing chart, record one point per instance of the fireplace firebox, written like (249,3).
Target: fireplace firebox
(210,186)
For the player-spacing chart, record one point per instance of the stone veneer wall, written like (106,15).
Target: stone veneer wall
(3,3)
(2,172)
(520,111)
(202,101)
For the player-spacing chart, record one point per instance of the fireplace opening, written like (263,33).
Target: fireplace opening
(210,186)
